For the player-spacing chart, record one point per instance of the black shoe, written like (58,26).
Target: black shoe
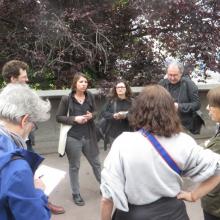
(78,199)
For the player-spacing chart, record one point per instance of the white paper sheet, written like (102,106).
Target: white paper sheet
(50,176)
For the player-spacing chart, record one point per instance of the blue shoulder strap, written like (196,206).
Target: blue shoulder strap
(161,151)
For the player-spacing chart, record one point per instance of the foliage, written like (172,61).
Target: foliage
(187,27)
(107,39)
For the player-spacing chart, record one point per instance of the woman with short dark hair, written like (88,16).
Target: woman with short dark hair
(142,174)
(210,202)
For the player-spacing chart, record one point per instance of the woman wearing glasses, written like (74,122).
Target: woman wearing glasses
(142,174)
(210,202)
(116,110)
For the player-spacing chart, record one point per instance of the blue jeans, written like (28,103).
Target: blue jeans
(74,150)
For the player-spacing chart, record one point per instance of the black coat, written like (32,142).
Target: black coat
(116,127)
(186,94)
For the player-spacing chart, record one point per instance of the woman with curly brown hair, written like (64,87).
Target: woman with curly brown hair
(142,174)
(211,202)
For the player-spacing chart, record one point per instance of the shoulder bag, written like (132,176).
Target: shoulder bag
(162,152)
(63,136)
(103,126)
(197,118)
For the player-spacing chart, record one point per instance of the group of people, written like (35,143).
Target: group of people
(78,109)
(142,174)
(150,150)
(21,196)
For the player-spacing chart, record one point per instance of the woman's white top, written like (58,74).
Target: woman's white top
(135,173)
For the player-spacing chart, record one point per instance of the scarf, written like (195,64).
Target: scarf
(18,140)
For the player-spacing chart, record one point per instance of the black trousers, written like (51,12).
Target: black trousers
(162,209)
(208,216)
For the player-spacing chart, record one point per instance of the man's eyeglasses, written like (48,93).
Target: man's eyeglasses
(34,126)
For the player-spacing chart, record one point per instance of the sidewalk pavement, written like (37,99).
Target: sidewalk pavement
(90,192)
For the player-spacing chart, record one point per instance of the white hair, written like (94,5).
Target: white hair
(176,63)
(17,100)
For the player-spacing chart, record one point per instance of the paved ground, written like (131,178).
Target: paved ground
(90,192)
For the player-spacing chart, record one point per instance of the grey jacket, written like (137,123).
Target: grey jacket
(186,94)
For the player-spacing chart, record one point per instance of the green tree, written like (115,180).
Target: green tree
(107,39)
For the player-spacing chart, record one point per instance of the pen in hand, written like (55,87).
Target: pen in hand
(39,184)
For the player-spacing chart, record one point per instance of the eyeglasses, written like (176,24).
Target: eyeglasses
(120,87)
(34,126)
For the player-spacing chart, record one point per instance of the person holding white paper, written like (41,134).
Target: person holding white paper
(116,111)
(20,197)
(16,72)
(142,174)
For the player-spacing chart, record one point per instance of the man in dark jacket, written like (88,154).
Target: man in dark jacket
(184,92)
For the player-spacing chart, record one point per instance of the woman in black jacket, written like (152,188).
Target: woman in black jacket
(77,110)
(116,111)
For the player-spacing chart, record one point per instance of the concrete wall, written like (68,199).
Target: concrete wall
(48,133)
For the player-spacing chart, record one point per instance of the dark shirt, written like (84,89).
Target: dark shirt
(175,90)
(68,103)
(79,130)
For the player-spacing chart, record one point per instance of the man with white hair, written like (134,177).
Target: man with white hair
(184,92)
(15,72)
(20,196)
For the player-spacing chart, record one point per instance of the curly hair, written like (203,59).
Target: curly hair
(128,93)
(12,69)
(154,110)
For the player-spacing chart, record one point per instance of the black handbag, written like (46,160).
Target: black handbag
(103,126)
